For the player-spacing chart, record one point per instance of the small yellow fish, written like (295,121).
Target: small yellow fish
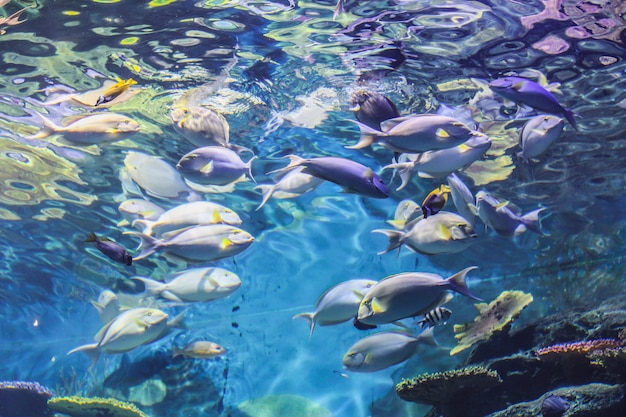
(200,350)
(435,200)
(115,90)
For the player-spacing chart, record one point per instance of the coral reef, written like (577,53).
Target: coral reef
(24,399)
(94,407)
(583,348)
(491,318)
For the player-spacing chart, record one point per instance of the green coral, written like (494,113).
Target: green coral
(449,386)
(94,407)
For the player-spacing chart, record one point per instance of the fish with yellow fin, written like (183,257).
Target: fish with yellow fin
(435,200)
(115,90)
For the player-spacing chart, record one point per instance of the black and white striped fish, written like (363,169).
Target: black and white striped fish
(435,317)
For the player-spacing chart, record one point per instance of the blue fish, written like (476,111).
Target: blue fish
(524,91)
(352,176)
(112,249)
(554,406)
(371,108)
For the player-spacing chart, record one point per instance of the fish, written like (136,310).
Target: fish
(138,209)
(129,374)
(111,249)
(371,108)
(435,200)
(214,165)
(504,217)
(351,175)
(462,198)
(554,406)
(406,214)
(442,162)
(525,91)
(200,349)
(410,294)
(89,97)
(435,317)
(115,91)
(196,213)
(446,232)
(292,184)
(416,133)
(384,349)
(108,306)
(196,284)
(129,330)
(91,129)
(338,304)
(197,244)
(538,133)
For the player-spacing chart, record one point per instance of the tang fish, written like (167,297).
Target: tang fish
(196,284)
(197,244)
(292,184)
(462,198)
(443,162)
(444,233)
(371,108)
(407,213)
(416,133)
(115,91)
(384,349)
(131,329)
(435,317)
(435,200)
(409,294)
(138,209)
(111,249)
(108,306)
(61,94)
(352,176)
(538,133)
(338,304)
(504,217)
(214,165)
(525,91)
(91,129)
(200,349)
(186,215)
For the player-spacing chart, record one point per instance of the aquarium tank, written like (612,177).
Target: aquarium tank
(281,208)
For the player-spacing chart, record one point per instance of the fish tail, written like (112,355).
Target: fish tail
(92,237)
(177,322)
(457,283)
(48,128)
(531,220)
(569,115)
(310,319)
(294,161)
(146,226)
(249,167)
(239,149)
(404,169)
(395,239)
(147,246)
(176,352)
(153,287)
(368,136)
(266,190)
(427,337)
(91,350)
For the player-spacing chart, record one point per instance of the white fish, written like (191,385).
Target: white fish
(138,209)
(504,217)
(197,244)
(384,349)
(338,304)
(445,232)
(538,133)
(132,328)
(462,198)
(196,213)
(92,128)
(196,284)
(443,162)
(292,184)
(407,213)
(108,306)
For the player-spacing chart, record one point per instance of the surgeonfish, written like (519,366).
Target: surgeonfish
(504,217)
(538,133)
(292,184)
(416,133)
(462,198)
(371,108)
(108,306)
(111,249)
(90,129)
(446,232)
(435,200)
(214,165)
(410,294)
(197,244)
(384,349)
(525,91)
(435,317)
(138,209)
(407,213)
(200,349)
(195,284)
(338,304)
(351,175)
(62,94)
(115,91)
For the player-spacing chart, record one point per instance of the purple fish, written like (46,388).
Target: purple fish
(214,165)
(112,249)
(525,91)
(371,108)
(352,176)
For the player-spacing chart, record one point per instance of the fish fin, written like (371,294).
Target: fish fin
(216,217)
(531,220)
(368,174)
(377,308)
(444,232)
(168,295)
(457,283)
(146,226)
(48,128)
(404,170)
(148,245)
(176,351)
(153,287)
(368,358)
(97,305)
(92,237)
(473,209)
(207,169)
(368,136)
(445,299)
(310,319)
(177,322)
(518,86)
(92,350)
(266,191)
(387,125)
(397,223)
(249,167)
(294,161)
(225,243)
(427,337)
(442,133)
(569,115)
(423,174)
(123,223)
(395,239)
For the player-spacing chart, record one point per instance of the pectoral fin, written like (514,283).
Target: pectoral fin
(207,169)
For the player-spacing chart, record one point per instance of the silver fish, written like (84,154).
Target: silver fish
(462,198)
(504,217)
(91,129)
(538,133)
(201,126)
(108,306)
(214,165)
(409,294)
(292,184)
(407,213)
(338,304)
(138,209)
(200,349)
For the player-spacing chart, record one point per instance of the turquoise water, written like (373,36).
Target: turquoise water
(281,74)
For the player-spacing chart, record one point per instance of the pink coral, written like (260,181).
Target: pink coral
(584,347)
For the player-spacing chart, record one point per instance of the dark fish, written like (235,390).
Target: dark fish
(371,108)
(554,406)
(435,317)
(435,200)
(362,326)
(112,249)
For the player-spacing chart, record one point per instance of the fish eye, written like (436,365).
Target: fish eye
(149,313)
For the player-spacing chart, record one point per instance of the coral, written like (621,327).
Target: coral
(94,407)
(282,405)
(582,348)
(449,387)
(492,318)
(24,399)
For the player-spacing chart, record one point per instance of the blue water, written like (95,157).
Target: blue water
(261,65)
